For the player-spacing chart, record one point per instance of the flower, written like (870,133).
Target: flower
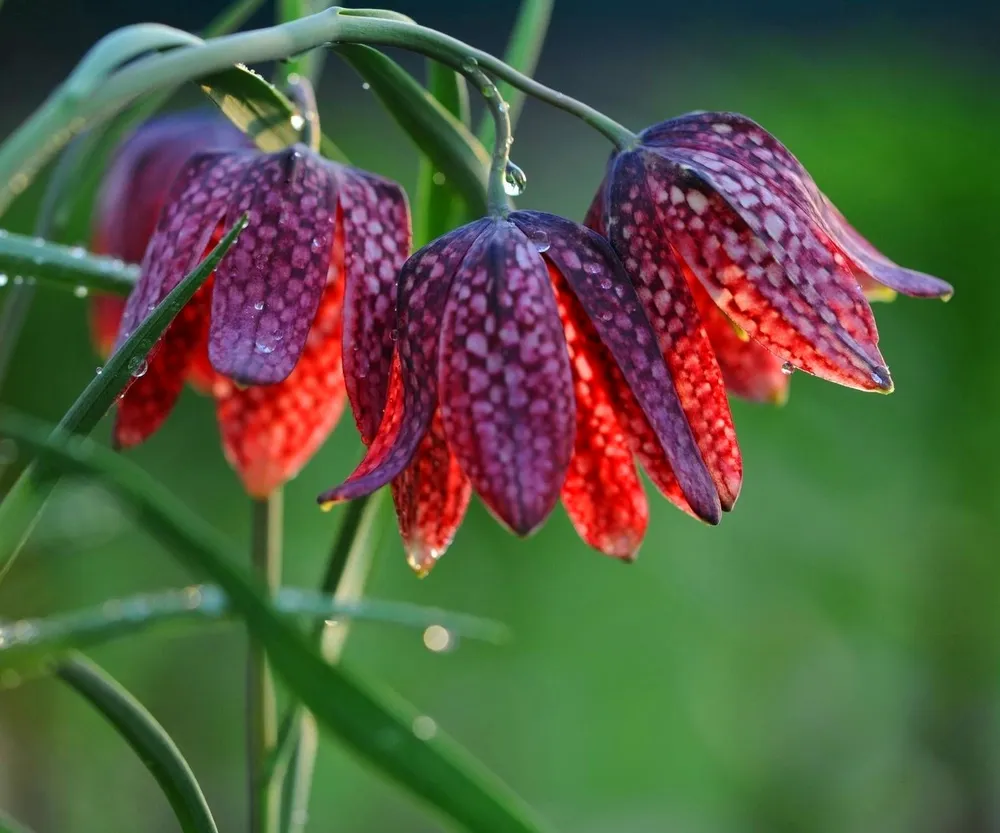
(133,192)
(313,270)
(711,201)
(526,368)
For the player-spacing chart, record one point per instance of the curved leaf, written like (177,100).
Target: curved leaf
(24,258)
(20,508)
(374,723)
(441,137)
(151,743)
(29,644)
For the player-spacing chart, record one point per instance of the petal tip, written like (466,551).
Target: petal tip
(422,557)
(882,379)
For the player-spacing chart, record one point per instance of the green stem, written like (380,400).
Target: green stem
(261,705)
(346,573)
(67,111)
(496,196)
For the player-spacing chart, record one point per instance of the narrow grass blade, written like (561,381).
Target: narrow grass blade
(20,508)
(523,51)
(439,135)
(373,723)
(147,738)
(24,258)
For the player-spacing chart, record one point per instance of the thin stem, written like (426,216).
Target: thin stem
(261,705)
(496,196)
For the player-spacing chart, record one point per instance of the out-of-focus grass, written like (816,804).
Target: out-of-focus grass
(824,661)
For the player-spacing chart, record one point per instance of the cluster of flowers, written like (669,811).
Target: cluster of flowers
(526,357)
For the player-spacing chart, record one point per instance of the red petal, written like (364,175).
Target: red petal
(750,371)
(603,494)
(424,283)
(150,397)
(269,432)
(377,233)
(504,383)
(431,496)
(642,238)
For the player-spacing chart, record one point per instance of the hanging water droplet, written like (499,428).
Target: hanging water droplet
(788,368)
(540,240)
(266,343)
(80,291)
(259,306)
(438,178)
(514,180)
(366,86)
(137,366)
(606,284)
(77,252)
(439,639)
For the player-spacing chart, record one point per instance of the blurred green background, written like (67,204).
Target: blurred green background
(827,660)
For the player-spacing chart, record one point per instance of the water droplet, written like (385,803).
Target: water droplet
(607,315)
(38,241)
(424,727)
(788,368)
(259,306)
(366,86)
(316,244)
(606,283)
(3,280)
(77,252)
(100,370)
(591,268)
(470,64)
(18,280)
(394,334)
(504,106)
(297,122)
(266,343)
(137,366)
(80,291)
(488,91)
(514,180)
(439,639)
(540,240)
(438,178)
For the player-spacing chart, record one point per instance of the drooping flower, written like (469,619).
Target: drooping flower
(134,189)
(711,201)
(527,369)
(314,270)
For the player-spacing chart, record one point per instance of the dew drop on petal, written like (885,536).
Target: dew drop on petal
(259,306)
(540,240)
(394,334)
(266,343)
(606,284)
(591,268)
(514,180)
(788,368)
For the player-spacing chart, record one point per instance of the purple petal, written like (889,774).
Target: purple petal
(194,208)
(504,382)
(606,294)
(376,243)
(268,286)
(424,284)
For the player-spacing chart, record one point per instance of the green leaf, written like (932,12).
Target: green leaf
(20,508)
(437,205)
(28,645)
(375,724)
(523,51)
(439,135)
(24,258)
(147,738)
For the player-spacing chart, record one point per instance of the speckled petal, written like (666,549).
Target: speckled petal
(430,496)
(193,213)
(787,291)
(750,370)
(602,493)
(596,278)
(731,144)
(871,262)
(644,242)
(376,221)
(269,432)
(504,383)
(150,397)
(268,286)
(424,283)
